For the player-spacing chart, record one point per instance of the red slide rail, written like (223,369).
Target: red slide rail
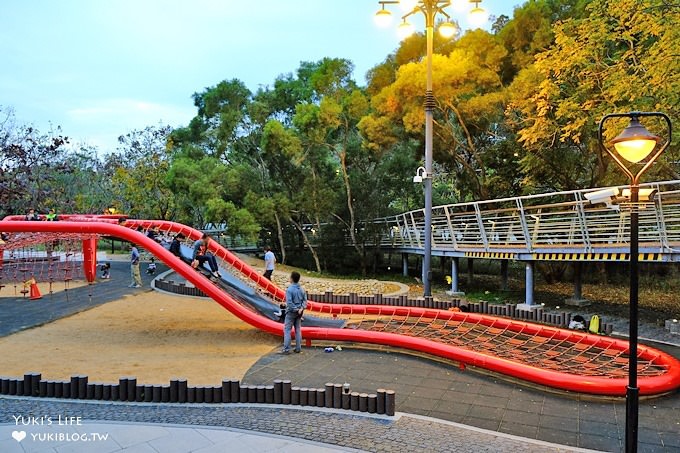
(419,329)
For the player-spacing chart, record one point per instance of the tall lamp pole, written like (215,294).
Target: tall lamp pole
(430,9)
(635,145)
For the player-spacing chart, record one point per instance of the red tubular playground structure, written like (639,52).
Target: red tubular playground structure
(563,359)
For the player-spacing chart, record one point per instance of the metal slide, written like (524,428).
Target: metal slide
(563,359)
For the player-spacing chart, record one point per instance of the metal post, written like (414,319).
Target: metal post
(529,292)
(454,275)
(633,392)
(430,10)
(578,281)
(404,264)
(504,275)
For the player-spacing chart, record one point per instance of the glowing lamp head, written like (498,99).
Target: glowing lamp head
(635,143)
(478,16)
(383,17)
(447,30)
(407,5)
(405,29)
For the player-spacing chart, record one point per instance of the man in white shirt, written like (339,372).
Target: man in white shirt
(269,261)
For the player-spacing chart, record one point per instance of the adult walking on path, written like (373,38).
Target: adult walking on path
(134,268)
(296,302)
(269,262)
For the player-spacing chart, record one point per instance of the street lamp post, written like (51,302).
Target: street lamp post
(430,9)
(637,146)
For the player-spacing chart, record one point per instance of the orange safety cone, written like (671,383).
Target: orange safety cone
(35,291)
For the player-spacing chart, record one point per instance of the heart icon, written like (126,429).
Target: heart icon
(19,435)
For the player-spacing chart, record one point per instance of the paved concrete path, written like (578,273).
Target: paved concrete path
(437,389)
(106,437)
(259,428)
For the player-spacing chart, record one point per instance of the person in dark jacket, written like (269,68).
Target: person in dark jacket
(176,245)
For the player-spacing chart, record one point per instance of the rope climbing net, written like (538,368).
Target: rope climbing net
(548,348)
(44,257)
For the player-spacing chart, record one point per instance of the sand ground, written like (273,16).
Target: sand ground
(13,290)
(152,336)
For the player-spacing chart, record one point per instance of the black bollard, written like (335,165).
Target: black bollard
(354,401)
(157,395)
(278,391)
(372,403)
(363,402)
(182,386)
(252,394)
(226,391)
(295,396)
(115,392)
(82,387)
(132,388)
(390,402)
(337,396)
(329,394)
(174,390)
(285,392)
(235,390)
(122,389)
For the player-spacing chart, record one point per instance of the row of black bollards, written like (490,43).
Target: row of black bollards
(335,396)
(538,314)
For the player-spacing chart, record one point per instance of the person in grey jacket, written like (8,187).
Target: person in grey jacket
(296,302)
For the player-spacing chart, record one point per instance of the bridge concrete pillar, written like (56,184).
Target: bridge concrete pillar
(578,300)
(504,275)
(455,291)
(404,264)
(529,283)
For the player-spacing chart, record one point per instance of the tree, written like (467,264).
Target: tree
(622,56)
(29,162)
(140,178)
(470,99)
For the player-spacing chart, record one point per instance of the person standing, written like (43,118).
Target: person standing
(51,216)
(296,302)
(134,268)
(269,262)
(202,255)
(31,215)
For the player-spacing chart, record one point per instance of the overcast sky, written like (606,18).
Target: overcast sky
(102,68)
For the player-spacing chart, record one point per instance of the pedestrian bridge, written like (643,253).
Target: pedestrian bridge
(576,226)
(580,225)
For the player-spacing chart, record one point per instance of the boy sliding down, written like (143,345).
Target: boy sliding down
(201,255)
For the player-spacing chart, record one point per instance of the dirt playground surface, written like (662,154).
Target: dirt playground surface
(13,289)
(151,336)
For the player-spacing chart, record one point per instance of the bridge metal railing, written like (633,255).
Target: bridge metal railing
(575,221)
